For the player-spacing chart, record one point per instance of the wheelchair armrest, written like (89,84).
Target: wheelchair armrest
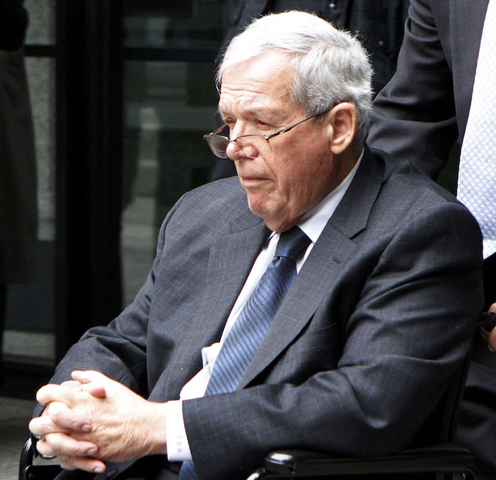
(28,471)
(439,458)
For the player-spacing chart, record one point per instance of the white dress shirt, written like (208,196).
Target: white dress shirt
(312,223)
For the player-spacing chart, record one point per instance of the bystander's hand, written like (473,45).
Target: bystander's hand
(490,336)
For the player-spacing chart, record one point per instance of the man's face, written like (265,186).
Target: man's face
(292,175)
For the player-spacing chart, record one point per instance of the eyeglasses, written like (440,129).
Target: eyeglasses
(251,144)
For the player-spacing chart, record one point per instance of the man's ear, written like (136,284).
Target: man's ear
(343,120)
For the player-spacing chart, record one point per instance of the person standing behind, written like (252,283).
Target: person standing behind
(18,178)
(443,90)
(377,23)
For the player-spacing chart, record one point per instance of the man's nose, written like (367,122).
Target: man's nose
(234,152)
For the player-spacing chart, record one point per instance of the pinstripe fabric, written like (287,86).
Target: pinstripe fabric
(254,321)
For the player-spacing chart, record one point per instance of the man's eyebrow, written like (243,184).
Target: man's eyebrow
(221,112)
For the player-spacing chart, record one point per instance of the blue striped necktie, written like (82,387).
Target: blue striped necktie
(254,321)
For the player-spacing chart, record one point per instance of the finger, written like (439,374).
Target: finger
(60,444)
(66,418)
(70,383)
(66,464)
(95,389)
(43,425)
(54,393)
(87,376)
(492,308)
(92,382)
(87,464)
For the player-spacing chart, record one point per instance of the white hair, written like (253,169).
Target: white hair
(330,65)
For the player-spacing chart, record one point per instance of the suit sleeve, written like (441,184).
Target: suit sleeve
(119,350)
(413,117)
(407,335)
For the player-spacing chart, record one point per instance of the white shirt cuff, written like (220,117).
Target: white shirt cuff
(177,440)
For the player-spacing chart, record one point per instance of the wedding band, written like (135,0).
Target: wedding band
(46,457)
(35,439)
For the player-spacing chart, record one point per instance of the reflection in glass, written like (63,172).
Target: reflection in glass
(185,24)
(41,76)
(30,307)
(168,107)
(41,22)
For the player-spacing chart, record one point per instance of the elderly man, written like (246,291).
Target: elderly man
(320,300)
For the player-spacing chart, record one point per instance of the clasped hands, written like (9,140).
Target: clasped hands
(93,418)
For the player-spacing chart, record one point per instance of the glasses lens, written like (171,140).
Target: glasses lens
(218,144)
(251,145)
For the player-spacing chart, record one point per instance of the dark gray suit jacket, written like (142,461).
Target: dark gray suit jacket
(364,345)
(424,108)
(419,116)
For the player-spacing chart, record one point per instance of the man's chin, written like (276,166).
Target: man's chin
(261,207)
(259,210)
(273,217)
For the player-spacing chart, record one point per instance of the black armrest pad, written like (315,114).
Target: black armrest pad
(445,458)
(28,471)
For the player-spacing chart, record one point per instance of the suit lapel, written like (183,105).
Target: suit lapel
(466,25)
(230,262)
(328,258)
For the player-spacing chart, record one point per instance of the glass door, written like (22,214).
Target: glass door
(29,340)
(170,101)
(122,93)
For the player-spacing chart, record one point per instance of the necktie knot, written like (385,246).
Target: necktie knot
(292,243)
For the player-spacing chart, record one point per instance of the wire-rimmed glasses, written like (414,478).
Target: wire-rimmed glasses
(251,144)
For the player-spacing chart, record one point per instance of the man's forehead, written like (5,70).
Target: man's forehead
(248,101)
(257,106)
(258,73)
(253,86)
